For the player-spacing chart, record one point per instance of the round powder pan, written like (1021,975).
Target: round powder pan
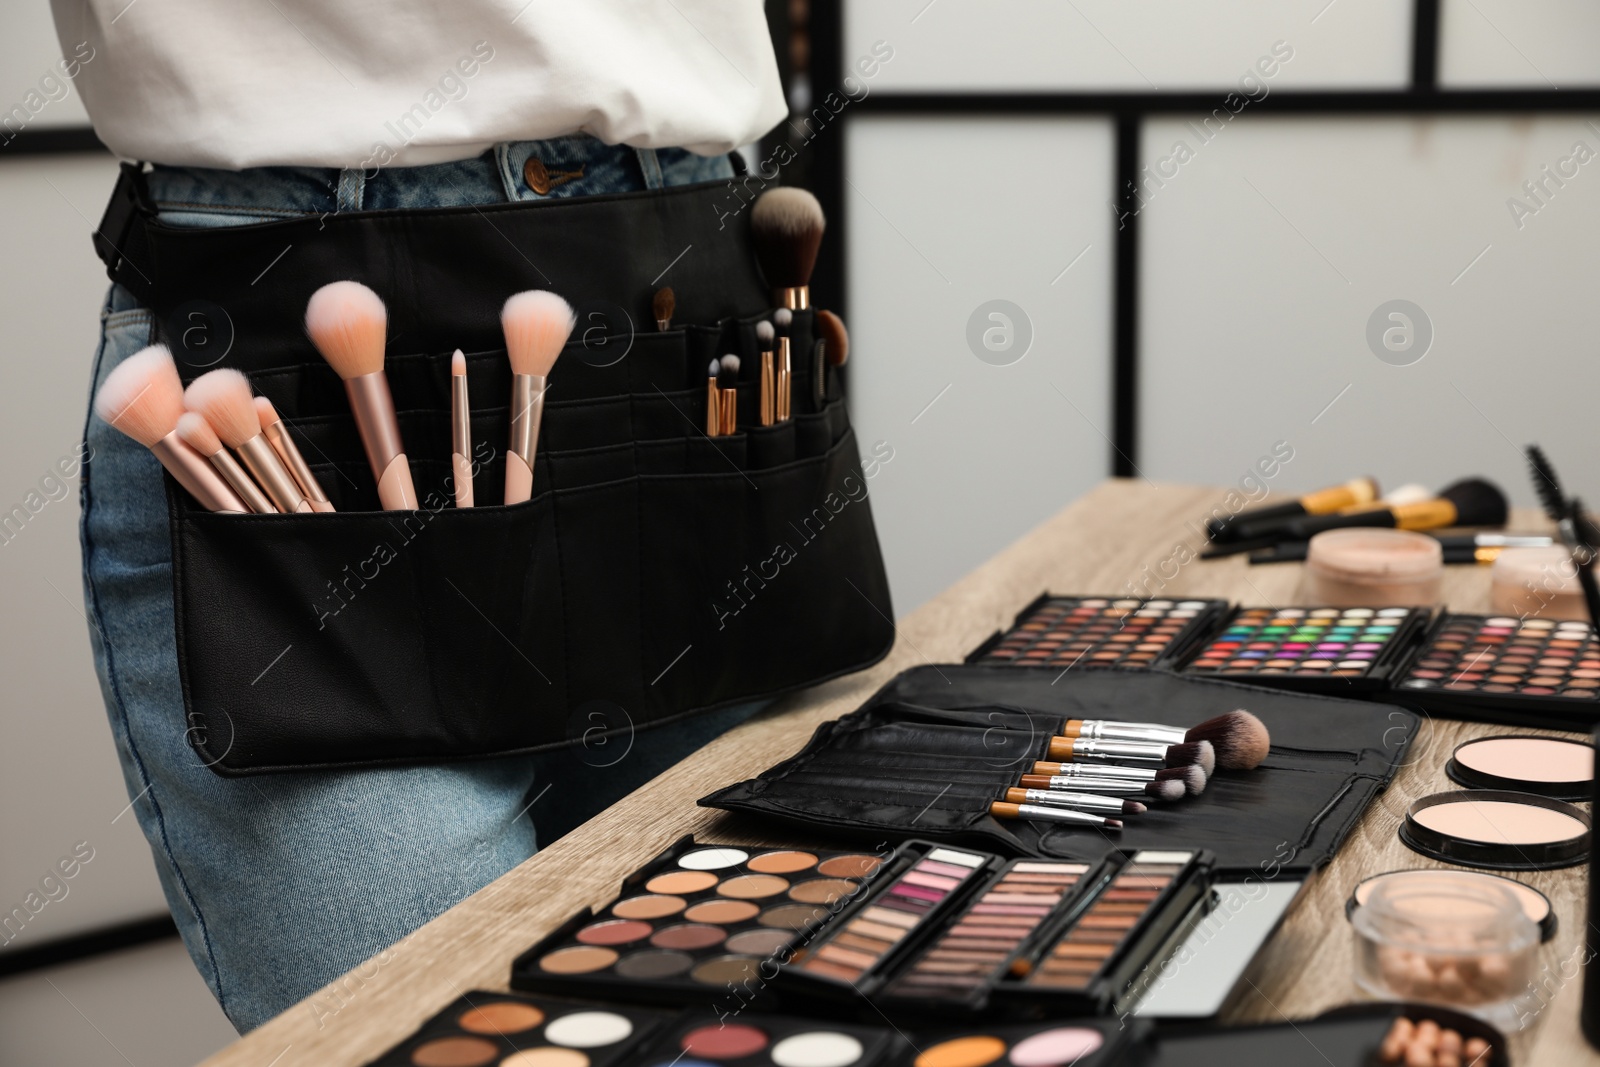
(1546,766)
(1534,903)
(1497,829)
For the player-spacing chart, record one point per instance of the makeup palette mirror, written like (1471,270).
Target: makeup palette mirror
(1195,979)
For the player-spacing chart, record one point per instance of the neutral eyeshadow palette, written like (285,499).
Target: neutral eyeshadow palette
(698,919)
(910,901)
(1138,907)
(1540,670)
(510,1030)
(750,1040)
(1057,1043)
(1334,650)
(956,967)
(1069,631)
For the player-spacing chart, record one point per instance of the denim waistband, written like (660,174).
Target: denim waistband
(574,165)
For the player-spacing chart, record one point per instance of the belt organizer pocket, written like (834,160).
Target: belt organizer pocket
(655,571)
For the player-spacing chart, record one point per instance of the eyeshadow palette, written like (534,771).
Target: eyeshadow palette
(508,1030)
(698,918)
(1057,1043)
(1070,631)
(912,896)
(956,968)
(1334,650)
(747,1040)
(1488,663)
(1117,927)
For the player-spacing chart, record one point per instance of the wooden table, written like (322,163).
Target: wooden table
(1099,544)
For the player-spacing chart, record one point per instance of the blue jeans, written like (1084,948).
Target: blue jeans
(281,883)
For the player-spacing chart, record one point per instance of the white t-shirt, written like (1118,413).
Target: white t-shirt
(363,83)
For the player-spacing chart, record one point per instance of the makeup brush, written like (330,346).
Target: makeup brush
(223,397)
(782,319)
(1458,548)
(1240,739)
(1318,502)
(347,322)
(1071,749)
(713,400)
(1193,778)
(662,306)
(142,398)
(728,388)
(1469,502)
(196,432)
(536,324)
(765,336)
(786,227)
(1076,801)
(283,444)
(1119,787)
(1044,813)
(830,328)
(460,430)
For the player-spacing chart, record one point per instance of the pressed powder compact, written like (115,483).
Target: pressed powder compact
(696,920)
(484,1029)
(1548,766)
(1498,830)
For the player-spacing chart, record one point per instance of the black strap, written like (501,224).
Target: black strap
(120,240)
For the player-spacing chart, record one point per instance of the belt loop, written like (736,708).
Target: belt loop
(352,189)
(651,167)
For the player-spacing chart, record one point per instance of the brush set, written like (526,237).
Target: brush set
(233,453)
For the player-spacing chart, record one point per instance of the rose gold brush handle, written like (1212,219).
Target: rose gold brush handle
(768,390)
(273,477)
(241,482)
(289,453)
(191,471)
(785,369)
(373,408)
(527,411)
(461,439)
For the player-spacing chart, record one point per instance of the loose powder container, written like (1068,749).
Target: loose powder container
(1433,938)
(1535,904)
(1548,766)
(1375,568)
(1497,829)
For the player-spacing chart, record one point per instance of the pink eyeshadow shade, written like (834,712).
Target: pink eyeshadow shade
(932,881)
(916,892)
(935,867)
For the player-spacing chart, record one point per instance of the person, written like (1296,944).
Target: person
(281,883)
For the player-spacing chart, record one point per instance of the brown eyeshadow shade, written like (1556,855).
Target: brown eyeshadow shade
(823,890)
(614,932)
(689,936)
(500,1017)
(787,862)
(650,907)
(578,959)
(651,966)
(454,1052)
(753,886)
(675,882)
(855,866)
(760,942)
(725,969)
(793,916)
(722,911)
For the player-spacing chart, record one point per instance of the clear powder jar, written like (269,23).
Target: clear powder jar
(1432,938)
(1375,568)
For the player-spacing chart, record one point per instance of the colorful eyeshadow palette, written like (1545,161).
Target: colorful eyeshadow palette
(1115,929)
(1334,650)
(1071,631)
(698,918)
(956,968)
(747,1040)
(1058,1043)
(1530,667)
(508,1030)
(908,902)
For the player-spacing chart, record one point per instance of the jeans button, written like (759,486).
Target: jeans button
(535,174)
